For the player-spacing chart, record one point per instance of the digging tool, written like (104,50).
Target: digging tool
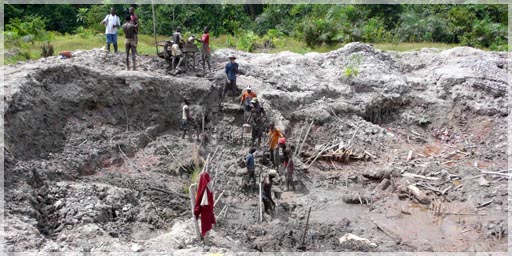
(303,247)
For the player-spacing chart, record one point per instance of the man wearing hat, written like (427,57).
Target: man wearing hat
(245,101)
(231,71)
(266,191)
(256,117)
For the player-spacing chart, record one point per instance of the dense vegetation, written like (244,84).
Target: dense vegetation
(252,26)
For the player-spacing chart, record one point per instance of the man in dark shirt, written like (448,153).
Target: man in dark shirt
(130,43)
(251,167)
(231,71)
(256,120)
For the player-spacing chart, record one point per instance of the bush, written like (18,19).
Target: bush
(374,31)
(486,33)
(247,40)
(47,50)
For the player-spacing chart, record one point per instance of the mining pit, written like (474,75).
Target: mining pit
(409,153)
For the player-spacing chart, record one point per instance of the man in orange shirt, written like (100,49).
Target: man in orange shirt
(273,138)
(245,100)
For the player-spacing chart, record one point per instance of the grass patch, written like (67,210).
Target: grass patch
(403,47)
(194,178)
(90,40)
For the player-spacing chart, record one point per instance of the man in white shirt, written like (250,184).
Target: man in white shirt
(111,22)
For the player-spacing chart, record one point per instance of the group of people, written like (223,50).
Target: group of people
(254,115)
(131,30)
(177,46)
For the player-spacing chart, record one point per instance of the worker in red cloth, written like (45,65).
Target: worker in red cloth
(204,203)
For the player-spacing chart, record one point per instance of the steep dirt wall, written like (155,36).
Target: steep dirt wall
(49,98)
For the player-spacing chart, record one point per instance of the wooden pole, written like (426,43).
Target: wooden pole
(306,228)
(154,26)
(305,137)
(192,192)
(261,210)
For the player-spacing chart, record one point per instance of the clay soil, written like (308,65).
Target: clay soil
(95,162)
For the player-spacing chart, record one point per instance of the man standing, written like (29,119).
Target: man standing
(273,137)
(287,164)
(251,168)
(130,44)
(266,191)
(256,120)
(111,23)
(187,119)
(135,20)
(205,50)
(176,48)
(231,71)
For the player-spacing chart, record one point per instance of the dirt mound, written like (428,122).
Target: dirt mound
(94,159)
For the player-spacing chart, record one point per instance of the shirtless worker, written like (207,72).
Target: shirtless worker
(266,191)
(187,120)
(287,164)
(130,43)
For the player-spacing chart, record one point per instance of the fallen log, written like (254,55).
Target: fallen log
(383,185)
(388,232)
(420,195)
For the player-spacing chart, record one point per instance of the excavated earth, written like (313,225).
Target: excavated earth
(91,148)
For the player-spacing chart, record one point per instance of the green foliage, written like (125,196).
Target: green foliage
(247,26)
(28,29)
(374,31)
(351,70)
(486,34)
(246,41)
(194,178)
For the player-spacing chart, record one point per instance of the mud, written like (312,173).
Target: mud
(86,141)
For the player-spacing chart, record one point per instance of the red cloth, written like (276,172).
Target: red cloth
(206,211)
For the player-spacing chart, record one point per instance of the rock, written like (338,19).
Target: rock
(353,242)
(483,182)
(136,248)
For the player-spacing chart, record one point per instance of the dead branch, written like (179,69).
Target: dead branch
(305,137)
(169,192)
(412,175)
